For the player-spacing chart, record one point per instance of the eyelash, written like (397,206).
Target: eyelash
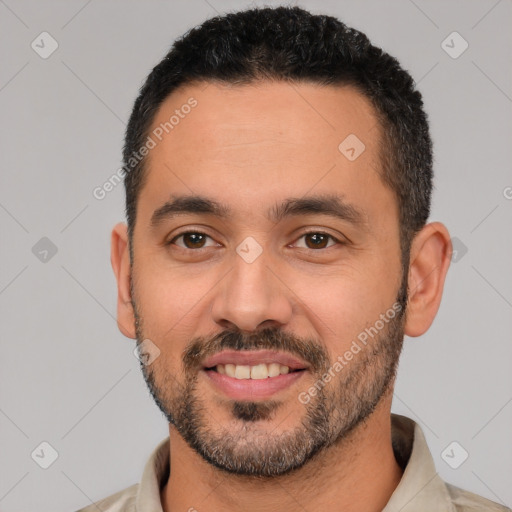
(313,232)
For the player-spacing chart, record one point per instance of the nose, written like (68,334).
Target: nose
(252,297)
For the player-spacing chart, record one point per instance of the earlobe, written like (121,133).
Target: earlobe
(429,262)
(120,260)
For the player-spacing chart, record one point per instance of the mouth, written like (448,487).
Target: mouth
(253,374)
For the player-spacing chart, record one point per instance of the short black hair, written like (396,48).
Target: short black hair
(294,45)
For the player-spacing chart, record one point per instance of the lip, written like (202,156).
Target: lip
(247,389)
(254,357)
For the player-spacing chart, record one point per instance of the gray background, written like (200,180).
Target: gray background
(68,377)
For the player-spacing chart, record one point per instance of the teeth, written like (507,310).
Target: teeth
(259,371)
(230,369)
(242,371)
(274,369)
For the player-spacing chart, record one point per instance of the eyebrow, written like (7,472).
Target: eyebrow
(326,204)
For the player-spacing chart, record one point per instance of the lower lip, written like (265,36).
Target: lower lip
(252,388)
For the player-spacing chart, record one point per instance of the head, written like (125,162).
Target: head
(280,204)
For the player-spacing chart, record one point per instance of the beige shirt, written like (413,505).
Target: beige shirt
(420,489)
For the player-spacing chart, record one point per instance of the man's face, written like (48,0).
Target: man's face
(273,292)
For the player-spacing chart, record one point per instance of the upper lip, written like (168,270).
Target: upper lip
(254,357)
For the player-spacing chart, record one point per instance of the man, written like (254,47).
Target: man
(278,184)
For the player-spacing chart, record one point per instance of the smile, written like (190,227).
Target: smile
(259,371)
(253,374)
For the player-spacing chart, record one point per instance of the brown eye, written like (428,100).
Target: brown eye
(191,240)
(317,240)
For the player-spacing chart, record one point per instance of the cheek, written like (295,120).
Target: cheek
(339,312)
(340,306)
(171,300)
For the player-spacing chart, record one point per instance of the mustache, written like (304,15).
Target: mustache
(271,338)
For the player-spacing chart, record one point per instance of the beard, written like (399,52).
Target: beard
(245,447)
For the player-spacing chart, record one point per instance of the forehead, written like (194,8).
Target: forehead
(266,139)
(264,114)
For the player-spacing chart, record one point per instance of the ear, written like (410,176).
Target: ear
(430,258)
(120,259)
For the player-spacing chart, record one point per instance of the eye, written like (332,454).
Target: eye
(313,240)
(318,240)
(191,240)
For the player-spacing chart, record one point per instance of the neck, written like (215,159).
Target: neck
(357,474)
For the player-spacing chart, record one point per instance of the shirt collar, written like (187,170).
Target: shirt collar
(420,489)
(156,473)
